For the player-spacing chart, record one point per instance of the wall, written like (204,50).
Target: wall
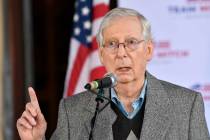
(1,68)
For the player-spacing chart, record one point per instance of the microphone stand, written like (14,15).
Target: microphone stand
(99,99)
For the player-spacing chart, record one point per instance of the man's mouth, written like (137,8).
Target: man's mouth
(123,69)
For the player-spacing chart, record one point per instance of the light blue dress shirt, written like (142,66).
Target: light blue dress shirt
(137,104)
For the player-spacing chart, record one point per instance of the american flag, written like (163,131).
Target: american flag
(83,62)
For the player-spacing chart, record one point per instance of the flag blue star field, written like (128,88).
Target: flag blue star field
(83,62)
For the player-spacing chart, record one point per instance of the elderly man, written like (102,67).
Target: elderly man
(140,106)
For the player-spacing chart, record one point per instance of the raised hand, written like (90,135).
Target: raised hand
(32,125)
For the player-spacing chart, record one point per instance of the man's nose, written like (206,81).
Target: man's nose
(121,52)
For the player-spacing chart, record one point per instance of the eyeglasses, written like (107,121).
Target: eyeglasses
(130,44)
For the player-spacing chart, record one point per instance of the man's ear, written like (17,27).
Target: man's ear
(100,53)
(150,49)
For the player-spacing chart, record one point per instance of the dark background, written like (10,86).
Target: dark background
(51,31)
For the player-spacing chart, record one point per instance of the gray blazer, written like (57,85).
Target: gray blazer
(171,113)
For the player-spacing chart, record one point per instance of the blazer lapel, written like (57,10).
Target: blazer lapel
(105,119)
(157,111)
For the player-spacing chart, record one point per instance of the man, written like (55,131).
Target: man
(141,107)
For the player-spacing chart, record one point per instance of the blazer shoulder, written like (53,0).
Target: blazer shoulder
(174,90)
(79,99)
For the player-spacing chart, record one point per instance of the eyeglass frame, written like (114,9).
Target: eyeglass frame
(125,44)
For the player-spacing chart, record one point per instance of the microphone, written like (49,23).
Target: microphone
(109,80)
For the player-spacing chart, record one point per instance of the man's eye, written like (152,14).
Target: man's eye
(112,44)
(132,41)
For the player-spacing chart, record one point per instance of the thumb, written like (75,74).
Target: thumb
(40,117)
(41,122)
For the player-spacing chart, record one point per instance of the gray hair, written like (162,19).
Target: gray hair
(123,12)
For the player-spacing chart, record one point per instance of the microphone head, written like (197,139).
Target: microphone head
(113,79)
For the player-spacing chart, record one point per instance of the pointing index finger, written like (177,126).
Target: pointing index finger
(33,98)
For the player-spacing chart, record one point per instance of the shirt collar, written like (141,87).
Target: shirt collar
(141,95)
(136,104)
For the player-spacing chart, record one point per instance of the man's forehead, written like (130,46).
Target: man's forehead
(117,19)
(129,25)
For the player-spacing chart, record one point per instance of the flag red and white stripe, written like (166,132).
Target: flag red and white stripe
(83,62)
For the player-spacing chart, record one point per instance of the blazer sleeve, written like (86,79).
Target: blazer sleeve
(198,126)
(62,131)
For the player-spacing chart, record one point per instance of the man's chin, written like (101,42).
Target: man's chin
(124,79)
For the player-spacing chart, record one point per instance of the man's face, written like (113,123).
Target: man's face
(127,65)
